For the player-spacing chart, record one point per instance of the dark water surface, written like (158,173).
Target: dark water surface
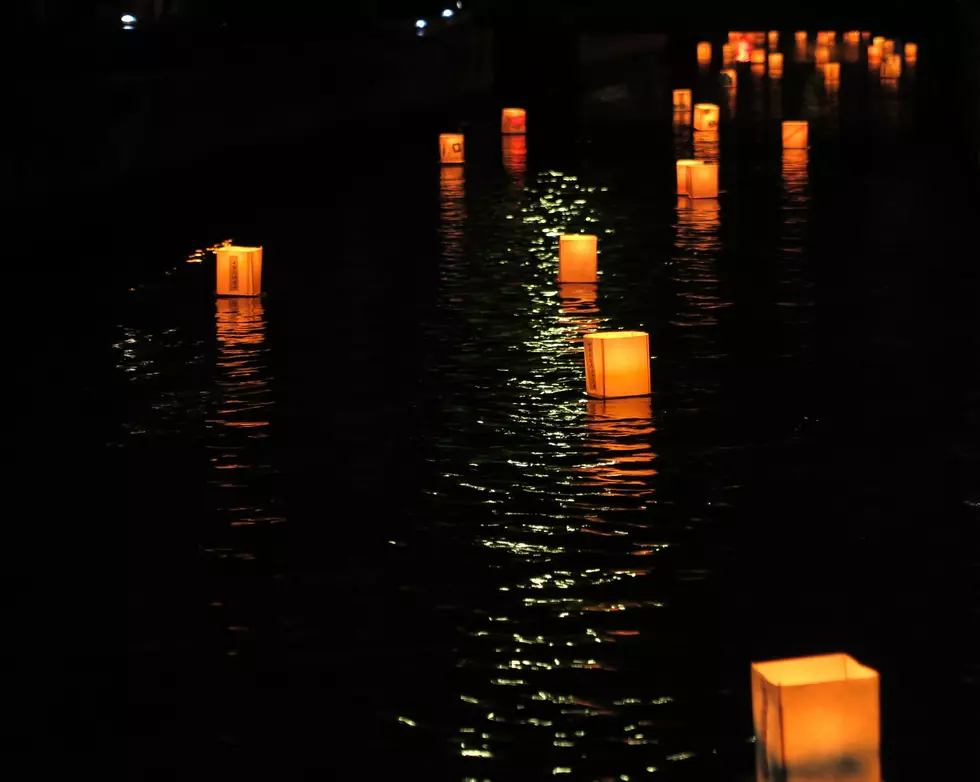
(376,524)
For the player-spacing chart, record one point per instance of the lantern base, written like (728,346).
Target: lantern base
(560,281)
(238,295)
(513,133)
(628,396)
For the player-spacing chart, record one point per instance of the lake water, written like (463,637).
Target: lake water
(377,523)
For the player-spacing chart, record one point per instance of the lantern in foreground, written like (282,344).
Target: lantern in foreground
(577,258)
(795,134)
(911,53)
(831,73)
(617,364)
(891,66)
(451,148)
(702,180)
(704,53)
(513,121)
(773,38)
(239,271)
(727,54)
(682,100)
(816,719)
(706,116)
(682,174)
(775,64)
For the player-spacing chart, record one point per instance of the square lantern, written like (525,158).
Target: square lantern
(577,258)
(852,36)
(239,271)
(879,41)
(451,148)
(513,121)
(758,57)
(874,56)
(704,53)
(773,39)
(821,55)
(816,719)
(702,180)
(617,364)
(682,174)
(831,73)
(911,53)
(800,37)
(727,54)
(706,116)
(775,64)
(682,100)
(795,134)
(891,66)
(888,47)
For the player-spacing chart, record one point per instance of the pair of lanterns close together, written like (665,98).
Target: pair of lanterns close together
(451,145)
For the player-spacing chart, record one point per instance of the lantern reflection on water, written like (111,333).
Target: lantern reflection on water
(618,432)
(452,208)
(821,55)
(239,270)
(911,53)
(513,121)
(682,119)
(514,148)
(451,148)
(816,719)
(795,173)
(727,54)
(707,146)
(617,364)
(831,73)
(577,258)
(240,327)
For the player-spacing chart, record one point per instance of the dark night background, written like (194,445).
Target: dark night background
(896,444)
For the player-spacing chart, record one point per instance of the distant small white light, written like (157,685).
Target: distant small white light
(459,4)
(421,24)
(129,27)
(447,13)
(127,19)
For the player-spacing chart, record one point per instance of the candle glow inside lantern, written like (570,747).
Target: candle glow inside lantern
(451,148)
(617,364)
(682,100)
(795,134)
(775,64)
(577,258)
(513,121)
(682,174)
(816,719)
(758,57)
(891,66)
(874,56)
(821,55)
(239,271)
(911,52)
(800,37)
(702,180)
(704,53)
(706,116)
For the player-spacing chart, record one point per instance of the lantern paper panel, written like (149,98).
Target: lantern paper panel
(874,56)
(821,55)
(816,719)
(758,57)
(800,37)
(852,36)
(704,53)
(239,271)
(682,174)
(617,364)
(577,258)
(706,116)
(451,148)
(795,134)
(682,100)
(702,180)
(513,121)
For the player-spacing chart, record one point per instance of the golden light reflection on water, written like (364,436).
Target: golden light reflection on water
(515,157)
(696,246)
(707,146)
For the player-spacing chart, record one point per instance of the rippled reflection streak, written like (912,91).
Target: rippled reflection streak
(242,401)
(618,432)
(579,310)
(795,208)
(706,146)
(515,157)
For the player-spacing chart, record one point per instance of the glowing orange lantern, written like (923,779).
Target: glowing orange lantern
(879,41)
(831,73)
(852,36)
(888,47)
(775,64)
(758,57)
(706,116)
(682,100)
(800,37)
(911,53)
(826,37)
(773,38)
(758,69)
(702,180)
(816,719)
(704,53)
(821,55)
(891,66)
(577,258)
(732,75)
(513,121)
(874,56)
(682,174)
(617,364)
(758,39)
(451,148)
(742,51)
(727,54)
(795,134)
(239,271)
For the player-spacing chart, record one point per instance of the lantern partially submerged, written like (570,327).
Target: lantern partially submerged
(513,121)
(451,148)
(795,134)
(617,364)
(704,53)
(682,174)
(239,271)
(702,180)
(775,65)
(682,100)
(706,116)
(816,719)
(577,258)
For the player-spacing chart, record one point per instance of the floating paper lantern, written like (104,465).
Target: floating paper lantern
(831,73)
(879,41)
(911,53)
(795,134)
(727,54)
(821,55)
(874,56)
(826,37)
(775,64)
(702,180)
(706,116)
(758,57)
(682,100)
(816,719)
(865,35)
(734,37)
(239,271)
(682,174)
(758,39)
(617,364)
(577,261)
(513,121)
(704,53)
(800,37)
(451,148)
(852,36)
(891,66)
(729,77)
(773,38)
(888,47)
